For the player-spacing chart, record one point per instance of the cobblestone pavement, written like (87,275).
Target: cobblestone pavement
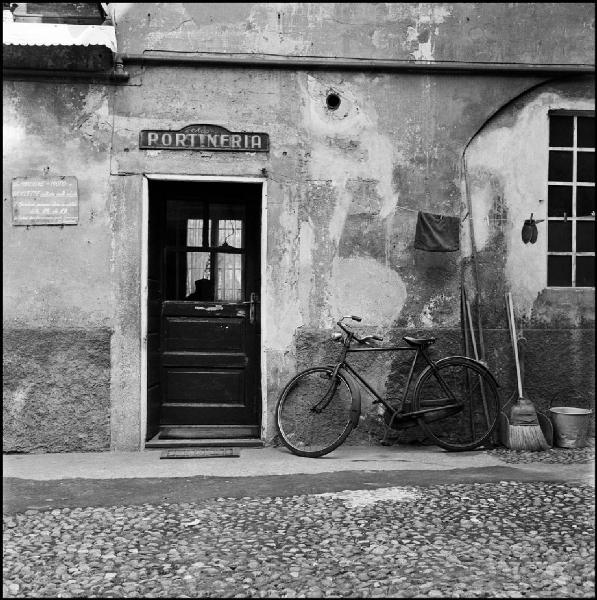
(563,456)
(505,539)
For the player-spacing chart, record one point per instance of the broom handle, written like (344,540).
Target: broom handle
(483,396)
(521,359)
(515,344)
(509,323)
(470,324)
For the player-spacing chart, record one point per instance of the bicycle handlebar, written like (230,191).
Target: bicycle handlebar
(353,335)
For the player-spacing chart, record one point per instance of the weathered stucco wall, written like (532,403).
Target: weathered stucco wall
(58,276)
(484,32)
(344,188)
(507,170)
(56,390)
(57,298)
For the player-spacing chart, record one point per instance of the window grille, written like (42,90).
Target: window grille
(571,200)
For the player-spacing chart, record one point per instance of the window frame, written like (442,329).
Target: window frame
(574,184)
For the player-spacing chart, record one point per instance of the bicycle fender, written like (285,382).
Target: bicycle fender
(478,363)
(355,392)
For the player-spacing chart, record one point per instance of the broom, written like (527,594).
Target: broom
(524,431)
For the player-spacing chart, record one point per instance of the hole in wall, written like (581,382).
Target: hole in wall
(332,101)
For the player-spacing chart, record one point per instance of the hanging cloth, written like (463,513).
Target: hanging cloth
(437,233)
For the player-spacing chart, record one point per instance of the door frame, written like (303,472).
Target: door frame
(145,288)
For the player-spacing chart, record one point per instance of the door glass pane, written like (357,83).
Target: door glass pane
(559,236)
(585,201)
(229,277)
(228,225)
(195,232)
(230,233)
(585,132)
(559,200)
(586,166)
(585,271)
(188,276)
(560,165)
(198,277)
(559,271)
(585,236)
(560,131)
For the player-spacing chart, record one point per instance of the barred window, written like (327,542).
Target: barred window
(571,200)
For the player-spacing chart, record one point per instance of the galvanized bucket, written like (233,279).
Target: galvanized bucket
(571,426)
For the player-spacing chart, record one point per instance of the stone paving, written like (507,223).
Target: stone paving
(506,539)
(555,455)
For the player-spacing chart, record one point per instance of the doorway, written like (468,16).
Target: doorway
(203,310)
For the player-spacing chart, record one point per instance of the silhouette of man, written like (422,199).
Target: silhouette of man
(204,290)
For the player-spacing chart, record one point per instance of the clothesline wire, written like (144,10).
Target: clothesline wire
(417,211)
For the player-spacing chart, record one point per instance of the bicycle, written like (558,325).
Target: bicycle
(455,399)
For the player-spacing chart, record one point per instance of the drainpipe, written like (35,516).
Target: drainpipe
(257,61)
(112,76)
(116,75)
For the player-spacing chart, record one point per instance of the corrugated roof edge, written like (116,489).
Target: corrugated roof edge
(58,34)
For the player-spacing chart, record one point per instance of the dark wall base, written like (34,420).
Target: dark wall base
(559,369)
(56,390)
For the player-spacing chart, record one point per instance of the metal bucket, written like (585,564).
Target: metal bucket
(571,426)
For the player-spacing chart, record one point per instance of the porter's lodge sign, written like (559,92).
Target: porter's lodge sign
(203,137)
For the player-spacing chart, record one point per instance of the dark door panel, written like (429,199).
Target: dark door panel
(235,360)
(207,365)
(204,335)
(217,387)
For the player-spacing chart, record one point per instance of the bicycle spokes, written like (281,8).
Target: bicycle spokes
(314,412)
(466,419)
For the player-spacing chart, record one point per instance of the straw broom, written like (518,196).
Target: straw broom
(524,431)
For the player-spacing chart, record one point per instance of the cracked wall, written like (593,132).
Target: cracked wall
(343,186)
(507,168)
(57,297)
(484,32)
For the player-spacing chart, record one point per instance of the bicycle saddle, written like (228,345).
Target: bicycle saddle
(424,342)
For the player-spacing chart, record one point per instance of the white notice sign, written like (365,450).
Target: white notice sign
(45,201)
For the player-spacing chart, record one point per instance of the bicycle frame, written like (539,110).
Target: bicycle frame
(441,389)
(396,412)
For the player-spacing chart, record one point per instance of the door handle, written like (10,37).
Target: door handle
(252,302)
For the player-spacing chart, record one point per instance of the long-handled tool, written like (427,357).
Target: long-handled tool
(524,431)
(544,421)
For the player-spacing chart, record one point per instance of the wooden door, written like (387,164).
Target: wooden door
(209,338)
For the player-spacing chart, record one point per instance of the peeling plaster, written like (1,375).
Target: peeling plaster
(373,163)
(423,34)
(96,115)
(336,164)
(283,303)
(516,155)
(430,309)
(306,244)
(363,286)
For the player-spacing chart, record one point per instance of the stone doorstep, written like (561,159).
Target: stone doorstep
(156,443)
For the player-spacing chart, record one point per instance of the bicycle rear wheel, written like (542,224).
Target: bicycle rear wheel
(313,412)
(473,388)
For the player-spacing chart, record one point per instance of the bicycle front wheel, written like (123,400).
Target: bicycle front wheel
(313,412)
(472,388)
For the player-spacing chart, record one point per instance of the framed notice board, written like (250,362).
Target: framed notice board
(45,201)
